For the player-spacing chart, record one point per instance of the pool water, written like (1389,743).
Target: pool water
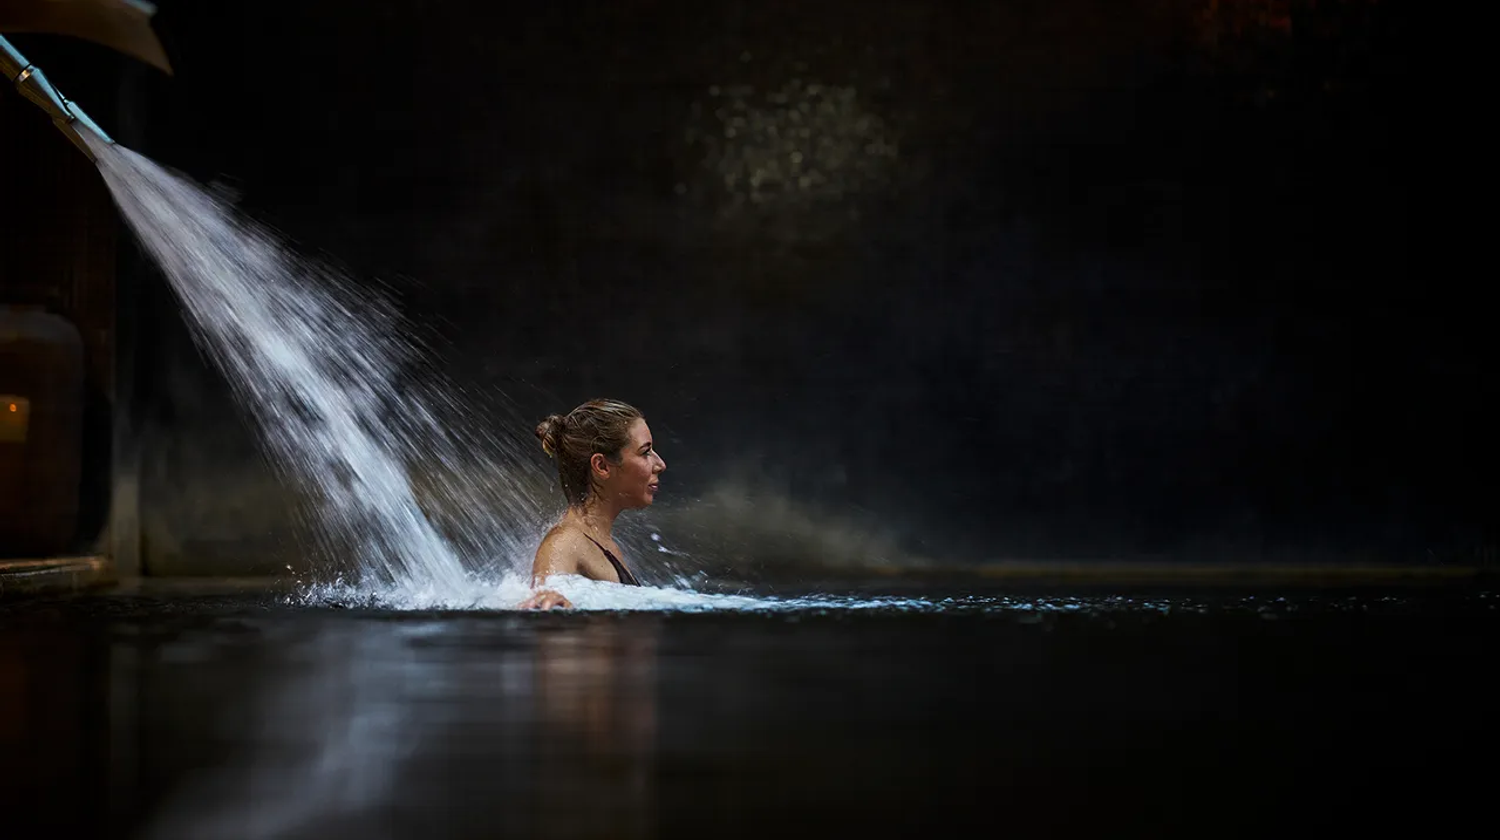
(204,711)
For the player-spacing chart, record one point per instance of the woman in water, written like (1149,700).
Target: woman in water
(607,464)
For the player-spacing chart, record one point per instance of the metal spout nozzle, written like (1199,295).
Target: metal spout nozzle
(34,85)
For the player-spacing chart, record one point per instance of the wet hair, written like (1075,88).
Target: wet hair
(601,426)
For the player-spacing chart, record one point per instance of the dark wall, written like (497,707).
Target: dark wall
(1062,279)
(58,240)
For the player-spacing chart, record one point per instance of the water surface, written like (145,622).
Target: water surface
(175,712)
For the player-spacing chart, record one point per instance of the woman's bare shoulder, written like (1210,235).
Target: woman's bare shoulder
(561,552)
(564,537)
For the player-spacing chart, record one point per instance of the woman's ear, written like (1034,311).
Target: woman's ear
(599,465)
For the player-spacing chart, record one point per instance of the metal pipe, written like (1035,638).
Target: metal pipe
(34,85)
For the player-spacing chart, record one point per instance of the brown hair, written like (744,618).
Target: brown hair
(601,426)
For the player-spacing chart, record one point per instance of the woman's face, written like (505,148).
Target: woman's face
(633,481)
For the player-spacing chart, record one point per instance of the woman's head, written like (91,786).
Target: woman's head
(603,450)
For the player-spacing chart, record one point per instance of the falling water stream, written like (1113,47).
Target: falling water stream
(316,360)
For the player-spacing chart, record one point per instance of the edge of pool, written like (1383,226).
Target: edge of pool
(55,574)
(1118,572)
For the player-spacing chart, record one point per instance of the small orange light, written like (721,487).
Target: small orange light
(12,406)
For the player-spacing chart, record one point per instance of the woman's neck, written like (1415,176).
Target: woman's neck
(596,518)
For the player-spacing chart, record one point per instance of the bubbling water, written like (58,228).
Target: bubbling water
(316,360)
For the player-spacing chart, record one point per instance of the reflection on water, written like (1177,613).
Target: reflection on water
(324,739)
(339,730)
(53,731)
(344,729)
(596,700)
(251,719)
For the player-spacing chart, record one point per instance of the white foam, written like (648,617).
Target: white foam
(507,592)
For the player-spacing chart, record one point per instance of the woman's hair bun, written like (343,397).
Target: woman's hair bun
(549,431)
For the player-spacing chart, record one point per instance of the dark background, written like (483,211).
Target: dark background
(1073,279)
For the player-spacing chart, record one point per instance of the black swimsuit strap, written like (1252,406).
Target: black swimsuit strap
(625,576)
